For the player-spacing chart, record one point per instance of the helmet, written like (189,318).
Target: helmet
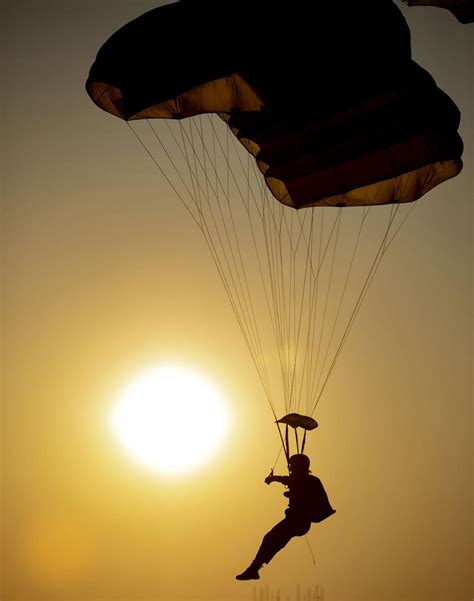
(299,462)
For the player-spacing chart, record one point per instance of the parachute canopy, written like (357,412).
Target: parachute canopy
(327,100)
(325,97)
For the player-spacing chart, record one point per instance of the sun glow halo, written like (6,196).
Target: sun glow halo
(171,419)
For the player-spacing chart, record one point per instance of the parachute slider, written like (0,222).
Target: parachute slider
(295,420)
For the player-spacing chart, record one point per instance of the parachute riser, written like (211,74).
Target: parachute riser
(284,442)
(295,421)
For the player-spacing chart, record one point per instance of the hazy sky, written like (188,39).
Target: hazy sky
(104,275)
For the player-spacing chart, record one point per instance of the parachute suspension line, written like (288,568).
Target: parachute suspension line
(284,298)
(192,176)
(235,296)
(292,305)
(350,322)
(242,292)
(304,441)
(281,311)
(313,290)
(270,227)
(297,441)
(246,304)
(282,308)
(266,208)
(320,332)
(280,302)
(204,227)
(341,299)
(249,194)
(164,174)
(260,210)
(204,155)
(244,298)
(349,271)
(267,218)
(194,159)
(315,304)
(251,225)
(328,294)
(314,308)
(199,222)
(295,316)
(362,294)
(290,315)
(281,448)
(307,278)
(225,153)
(310,550)
(409,212)
(310,296)
(283,304)
(305,343)
(315,275)
(272,233)
(298,332)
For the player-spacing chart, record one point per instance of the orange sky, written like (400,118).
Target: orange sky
(104,275)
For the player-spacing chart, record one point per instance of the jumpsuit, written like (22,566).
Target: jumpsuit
(308,503)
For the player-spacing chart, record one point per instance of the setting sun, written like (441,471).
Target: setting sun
(171,419)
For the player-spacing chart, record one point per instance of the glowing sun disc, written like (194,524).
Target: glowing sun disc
(171,419)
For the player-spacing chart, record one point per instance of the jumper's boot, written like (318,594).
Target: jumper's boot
(251,573)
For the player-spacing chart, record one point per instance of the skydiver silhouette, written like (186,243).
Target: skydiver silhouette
(308,502)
